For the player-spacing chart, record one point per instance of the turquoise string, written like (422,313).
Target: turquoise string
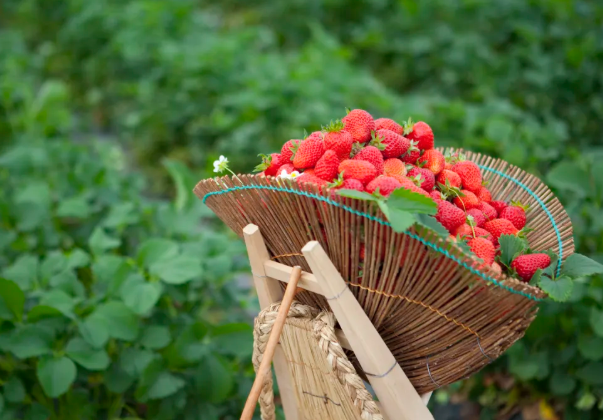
(539,201)
(375,219)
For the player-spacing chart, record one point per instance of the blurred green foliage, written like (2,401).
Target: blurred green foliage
(94,96)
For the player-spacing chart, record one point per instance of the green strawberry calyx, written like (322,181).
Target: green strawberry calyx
(266,162)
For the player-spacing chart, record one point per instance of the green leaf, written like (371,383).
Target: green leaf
(14,390)
(99,241)
(561,383)
(56,375)
(139,295)
(510,247)
(400,220)
(54,263)
(59,300)
(358,195)
(37,411)
(83,354)
(180,175)
(110,272)
(76,207)
(155,337)
(412,202)
(24,271)
(154,250)
(164,385)
(586,402)
(431,223)
(577,265)
(30,341)
(121,322)
(117,380)
(177,270)
(13,297)
(188,347)
(77,258)
(95,330)
(234,339)
(569,176)
(134,361)
(121,215)
(592,373)
(559,290)
(39,312)
(596,321)
(591,347)
(214,379)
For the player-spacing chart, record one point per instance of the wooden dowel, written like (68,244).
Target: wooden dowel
(275,334)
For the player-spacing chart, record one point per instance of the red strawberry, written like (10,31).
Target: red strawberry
(433,160)
(289,149)
(499,227)
(515,214)
(308,153)
(309,171)
(394,166)
(327,166)
(286,167)
(372,155)
(466,232)
(385,184)
(391,144)
(484,194)
(454,180)
(527,265)
(389,124)
(339,140)
(437,196)
(469,201)
(471,177)
(409,184)
(487,210)
(361,170)
(412,154)
(421,132)
(316,135)
(498,206)
(424,176)
(310,178)
(352,184)
(483,248)
(478,217)
(449,216)
(359,124)
(270,164)
(496,268)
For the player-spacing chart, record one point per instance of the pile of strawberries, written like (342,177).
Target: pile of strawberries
(380,156)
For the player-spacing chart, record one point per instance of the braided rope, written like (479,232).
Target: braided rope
(324,331)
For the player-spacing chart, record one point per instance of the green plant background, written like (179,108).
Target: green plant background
(121,295)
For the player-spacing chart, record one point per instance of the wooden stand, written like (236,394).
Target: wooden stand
(397,397)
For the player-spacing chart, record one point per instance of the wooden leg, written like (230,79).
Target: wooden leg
(398,397)
(269,291)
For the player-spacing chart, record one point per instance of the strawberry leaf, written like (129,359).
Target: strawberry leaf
(510,247)
(578,265)
(399,219)
(358,195)
(432,224)
(410,201)
(559,290)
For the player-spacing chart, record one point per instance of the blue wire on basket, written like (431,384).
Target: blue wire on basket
(375,219)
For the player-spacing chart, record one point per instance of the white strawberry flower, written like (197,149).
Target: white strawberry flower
(286,175)
(221,164)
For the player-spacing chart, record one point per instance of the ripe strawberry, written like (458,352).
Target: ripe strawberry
(484,194)
(421,132)
(391,144)
(449,216)
(483,248)
(527,265)
(496,268)
(471,177)
(361,170)
(454,180)
(286,167)
(339,140)
(433,160)
(409,184)
(389,124)
(359,124)
(289,149)
(385,184)
(270,164)
(372,155)
(316,135)
(424,176)
(311,178)
(469,201)
(308,153)
(352,184)
(309,171)
(437,196)
(487,210)
(465,231)
(499,227)
(498,206)
(394,166)
(327,166)
(412,154)
(516,214)
(478,217)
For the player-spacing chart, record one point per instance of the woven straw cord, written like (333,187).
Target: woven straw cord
(323,324)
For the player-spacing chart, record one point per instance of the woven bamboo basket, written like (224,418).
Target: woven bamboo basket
(442,318)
